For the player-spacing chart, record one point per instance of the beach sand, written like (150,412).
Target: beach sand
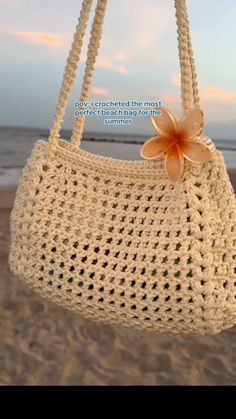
(41,343)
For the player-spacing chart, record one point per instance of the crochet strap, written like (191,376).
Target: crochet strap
(189,85)
(73,60)
(93,48)
(70,71)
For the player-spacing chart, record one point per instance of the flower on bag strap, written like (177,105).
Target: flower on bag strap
(178,140)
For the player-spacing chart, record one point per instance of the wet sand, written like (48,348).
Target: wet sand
(43,344)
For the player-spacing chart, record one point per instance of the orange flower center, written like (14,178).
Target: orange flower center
(178,137)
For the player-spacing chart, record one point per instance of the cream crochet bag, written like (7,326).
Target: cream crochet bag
(117,241)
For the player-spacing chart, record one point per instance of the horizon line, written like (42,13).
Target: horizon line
(94,133)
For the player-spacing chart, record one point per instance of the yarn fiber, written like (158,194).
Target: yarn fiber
(116,241)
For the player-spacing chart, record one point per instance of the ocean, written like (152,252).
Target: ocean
(17,143)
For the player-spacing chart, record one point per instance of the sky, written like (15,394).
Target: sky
(138,59)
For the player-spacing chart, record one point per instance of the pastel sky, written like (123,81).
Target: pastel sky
(138,59)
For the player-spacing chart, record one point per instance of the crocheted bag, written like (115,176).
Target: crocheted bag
(119,241)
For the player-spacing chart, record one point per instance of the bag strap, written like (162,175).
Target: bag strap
(189,85)
(93,48)
(70,71)
(73,61)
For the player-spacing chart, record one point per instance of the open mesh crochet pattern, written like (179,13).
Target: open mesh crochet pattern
(118,242)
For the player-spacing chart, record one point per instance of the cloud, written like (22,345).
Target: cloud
(145,39)
(169,99)
(39,37)
(121,69)
(214,93)
(105,62)
(149,28)
(176,80)
(210,93)
(120,56)
(99,91)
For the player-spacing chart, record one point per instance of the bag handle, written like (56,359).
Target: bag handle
(93,48)
(189,85)
(73,61)
(70,71)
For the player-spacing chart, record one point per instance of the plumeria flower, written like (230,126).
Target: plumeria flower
(178,140)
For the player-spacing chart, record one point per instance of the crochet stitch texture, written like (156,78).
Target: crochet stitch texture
(117,241)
